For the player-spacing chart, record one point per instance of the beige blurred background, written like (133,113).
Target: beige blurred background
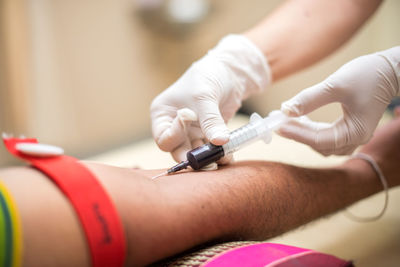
(82,74)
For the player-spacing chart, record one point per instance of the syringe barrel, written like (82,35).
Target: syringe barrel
(241,137)
(258,128)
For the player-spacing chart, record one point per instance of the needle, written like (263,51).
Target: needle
(177,167)
(159,175)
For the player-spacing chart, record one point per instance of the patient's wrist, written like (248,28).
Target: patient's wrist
(388,167)
(362,172)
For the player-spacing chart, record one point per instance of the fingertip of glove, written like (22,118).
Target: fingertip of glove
(179,154)
(220,138)
(186,114)
(210,167)
(283,130)
(290,109)
(228,159)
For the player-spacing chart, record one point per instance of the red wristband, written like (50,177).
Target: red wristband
(98,216)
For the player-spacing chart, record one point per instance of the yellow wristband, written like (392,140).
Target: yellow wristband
(10,231)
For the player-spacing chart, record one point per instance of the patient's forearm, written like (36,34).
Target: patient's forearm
(257,200)
(248,200)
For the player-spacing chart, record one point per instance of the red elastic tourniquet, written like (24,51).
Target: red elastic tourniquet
(95,209)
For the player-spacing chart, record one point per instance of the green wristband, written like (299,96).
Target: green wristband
(3,232)
(10,231)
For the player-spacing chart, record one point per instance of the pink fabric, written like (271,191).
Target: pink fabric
(310,259)
(273,255)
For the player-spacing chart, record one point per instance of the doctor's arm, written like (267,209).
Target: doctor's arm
(301,32)
(243,201)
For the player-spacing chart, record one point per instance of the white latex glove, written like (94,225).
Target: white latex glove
(363,86)
(196,107)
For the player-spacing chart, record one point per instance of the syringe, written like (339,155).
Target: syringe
(258,128)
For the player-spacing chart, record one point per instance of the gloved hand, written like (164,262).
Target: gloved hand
(208,94)
(363,86)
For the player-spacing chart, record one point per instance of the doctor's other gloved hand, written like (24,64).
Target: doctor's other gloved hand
(363,86)
(196,107)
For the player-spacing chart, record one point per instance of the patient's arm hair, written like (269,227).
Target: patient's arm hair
(245,200)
